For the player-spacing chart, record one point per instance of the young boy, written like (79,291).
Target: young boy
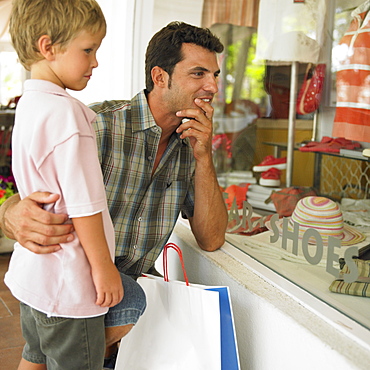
(64,295)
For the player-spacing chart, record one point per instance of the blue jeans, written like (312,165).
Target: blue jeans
(132,306)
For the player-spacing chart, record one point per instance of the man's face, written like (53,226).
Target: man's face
(194,77)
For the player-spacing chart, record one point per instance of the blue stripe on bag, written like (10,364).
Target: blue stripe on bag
(229,353)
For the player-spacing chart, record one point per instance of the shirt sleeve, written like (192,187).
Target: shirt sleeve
(187,209)
(72,170)
(103,129)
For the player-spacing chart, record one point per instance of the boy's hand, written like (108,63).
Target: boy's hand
(108,285)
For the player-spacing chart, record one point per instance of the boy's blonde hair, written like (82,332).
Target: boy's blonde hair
(61,20)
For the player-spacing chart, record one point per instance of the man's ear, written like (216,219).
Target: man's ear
(159,76)
(46,47)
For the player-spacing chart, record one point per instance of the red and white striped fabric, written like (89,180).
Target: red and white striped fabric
(352,118)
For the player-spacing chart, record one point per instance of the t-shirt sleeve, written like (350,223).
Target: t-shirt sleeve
(73,170)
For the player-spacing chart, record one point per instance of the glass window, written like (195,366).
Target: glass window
(252,123)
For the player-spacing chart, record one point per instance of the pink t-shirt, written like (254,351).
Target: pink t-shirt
(54,149)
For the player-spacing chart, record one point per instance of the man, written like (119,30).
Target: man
(154,165)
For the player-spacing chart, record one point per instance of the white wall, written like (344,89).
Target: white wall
(113,77)
(150,17)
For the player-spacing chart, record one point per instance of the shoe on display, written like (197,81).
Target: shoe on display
(271,177)
(366,152)
(269,162)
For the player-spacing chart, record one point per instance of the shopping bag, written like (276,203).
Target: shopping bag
(184,326)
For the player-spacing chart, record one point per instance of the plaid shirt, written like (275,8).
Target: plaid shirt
(144,208)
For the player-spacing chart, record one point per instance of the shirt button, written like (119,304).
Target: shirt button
(140,219)
(135,246)
(150,158)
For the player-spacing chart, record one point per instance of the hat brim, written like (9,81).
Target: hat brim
(350,235)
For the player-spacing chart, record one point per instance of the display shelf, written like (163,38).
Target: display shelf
(361,179)
(345,153)
(314,279)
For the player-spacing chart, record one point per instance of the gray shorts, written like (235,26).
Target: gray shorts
(77,343)
(132,306)
(63,343)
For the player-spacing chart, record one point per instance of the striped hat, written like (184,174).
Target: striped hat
(325,216)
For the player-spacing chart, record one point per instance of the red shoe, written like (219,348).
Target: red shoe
(269,162)
(271,177)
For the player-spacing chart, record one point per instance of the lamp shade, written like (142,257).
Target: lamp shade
(290,31)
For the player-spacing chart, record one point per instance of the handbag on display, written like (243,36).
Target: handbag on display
(309,96)
(184,326)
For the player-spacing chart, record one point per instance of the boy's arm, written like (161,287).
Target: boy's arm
(34,228)
(107,280)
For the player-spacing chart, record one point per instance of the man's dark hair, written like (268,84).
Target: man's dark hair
(164,49)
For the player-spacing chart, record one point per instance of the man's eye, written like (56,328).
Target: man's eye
(198,74)
(88,51)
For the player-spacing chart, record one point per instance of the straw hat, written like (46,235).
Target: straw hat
(325,216)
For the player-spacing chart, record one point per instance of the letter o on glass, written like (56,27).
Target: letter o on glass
(309,233)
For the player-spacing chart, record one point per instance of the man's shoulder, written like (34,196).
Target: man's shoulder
(110,106)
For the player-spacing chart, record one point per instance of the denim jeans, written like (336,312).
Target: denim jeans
(132,306)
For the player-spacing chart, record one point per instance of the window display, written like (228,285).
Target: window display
(320,243)
(352,118)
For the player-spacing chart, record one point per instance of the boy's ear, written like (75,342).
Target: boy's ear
(46,47)
(159,76)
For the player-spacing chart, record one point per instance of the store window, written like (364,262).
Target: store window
(253,106)
(254,103)
(268,73)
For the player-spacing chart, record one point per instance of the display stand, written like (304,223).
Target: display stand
(292,122)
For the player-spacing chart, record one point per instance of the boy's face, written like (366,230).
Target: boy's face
(72,67)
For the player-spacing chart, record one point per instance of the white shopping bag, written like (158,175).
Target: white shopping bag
(180,328)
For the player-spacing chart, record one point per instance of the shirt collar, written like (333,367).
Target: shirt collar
(142,118)
(46,86)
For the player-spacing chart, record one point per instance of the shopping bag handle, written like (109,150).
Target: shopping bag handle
(165,267)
